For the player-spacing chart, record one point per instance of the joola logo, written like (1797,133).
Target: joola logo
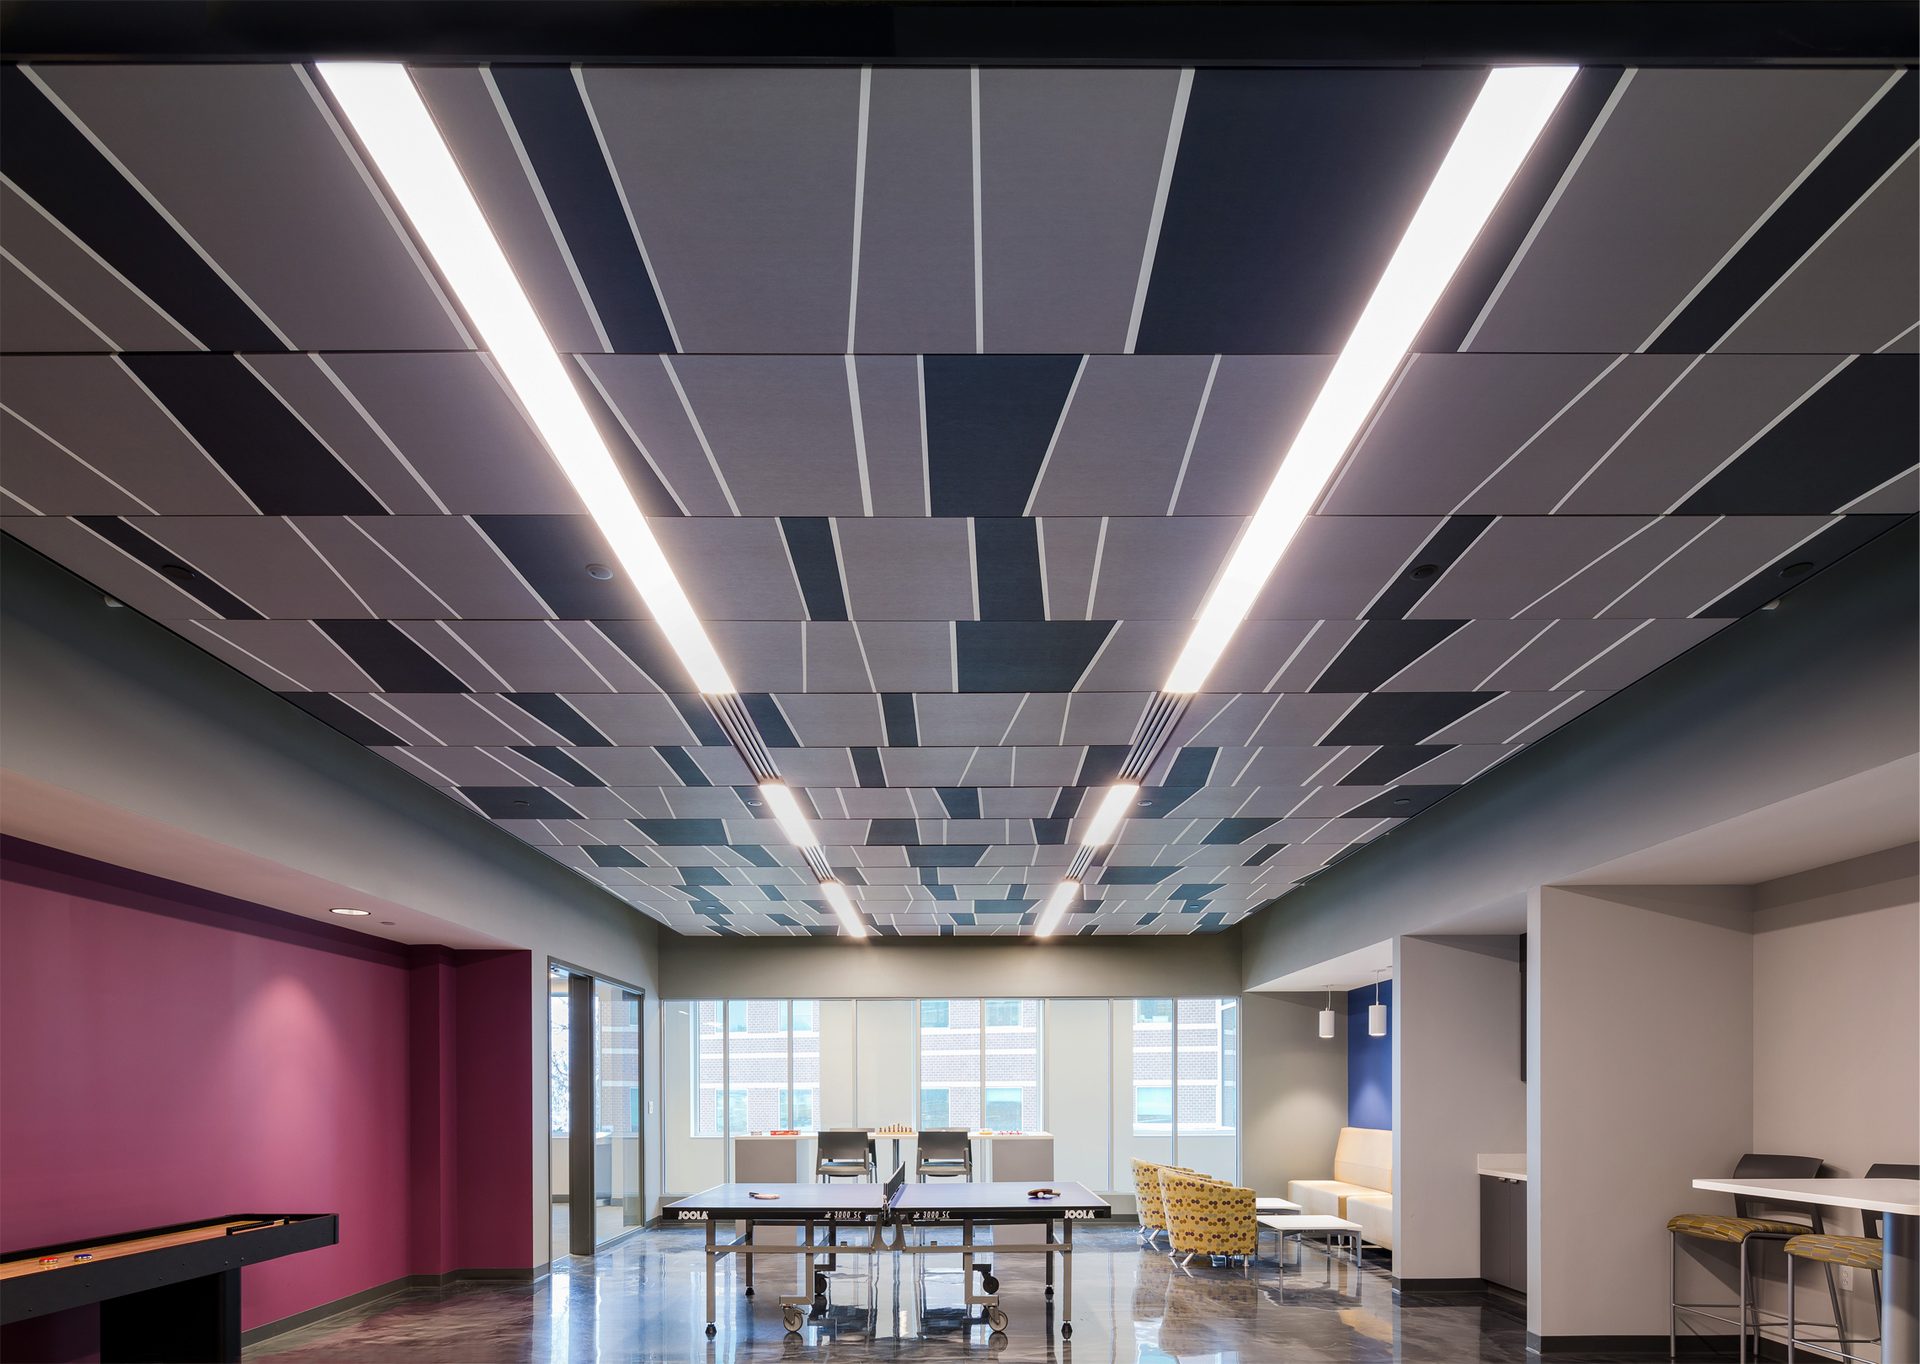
(687,1216)
(1079,1214)
(934,1217)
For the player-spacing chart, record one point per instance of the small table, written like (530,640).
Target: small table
(1274,1205)
(1898,1203)
(1331,1229)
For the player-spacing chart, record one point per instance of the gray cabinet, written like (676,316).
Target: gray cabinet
(1503,1232)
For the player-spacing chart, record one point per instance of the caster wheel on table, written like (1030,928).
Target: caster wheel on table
(989,1283)
(749,1290)
(791,1319)
(1049,1295)
(996,1319)
(1066,1330)
(710,1330)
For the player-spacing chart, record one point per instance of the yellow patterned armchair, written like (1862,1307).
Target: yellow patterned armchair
(1148,1199)
(1206,1217)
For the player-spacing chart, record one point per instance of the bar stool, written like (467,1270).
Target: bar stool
(1857,1252)
(1743,1229)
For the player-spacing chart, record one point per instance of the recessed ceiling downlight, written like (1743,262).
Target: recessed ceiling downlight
(351,913)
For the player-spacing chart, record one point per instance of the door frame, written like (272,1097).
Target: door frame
(582,1055)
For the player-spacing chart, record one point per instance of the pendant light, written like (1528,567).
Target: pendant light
(1376,1012)
(1326,1017)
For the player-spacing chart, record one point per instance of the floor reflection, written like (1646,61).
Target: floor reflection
(644,1301)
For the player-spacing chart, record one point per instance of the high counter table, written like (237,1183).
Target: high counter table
(1898,1203)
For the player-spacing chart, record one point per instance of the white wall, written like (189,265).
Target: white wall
(1836,1029)
(1640,1080)
(1294,1092)
(1457,1092)
(1079,1093)
(1836,1013)
(939,968)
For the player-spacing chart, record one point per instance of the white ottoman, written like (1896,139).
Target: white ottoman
(1325,1231)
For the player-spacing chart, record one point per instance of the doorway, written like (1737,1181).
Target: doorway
(594,1105)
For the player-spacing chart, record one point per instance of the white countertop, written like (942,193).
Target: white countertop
(1503,1167)
(1012,1136)
(1901,1197)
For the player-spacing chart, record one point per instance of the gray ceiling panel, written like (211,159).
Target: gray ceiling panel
(741,184)
(272,191)
(1686,162)
(1069,167)
(776,253)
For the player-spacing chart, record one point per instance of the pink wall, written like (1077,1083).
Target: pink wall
(173,1055)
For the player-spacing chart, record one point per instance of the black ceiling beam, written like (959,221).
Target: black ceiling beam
(989,32)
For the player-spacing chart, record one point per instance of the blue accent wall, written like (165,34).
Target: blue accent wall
(1369,1061)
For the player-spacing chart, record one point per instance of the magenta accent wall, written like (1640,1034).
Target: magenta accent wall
(173,1055)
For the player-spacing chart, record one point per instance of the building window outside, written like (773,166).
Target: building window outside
(1186,1066)
(980,1063)
(756,1063)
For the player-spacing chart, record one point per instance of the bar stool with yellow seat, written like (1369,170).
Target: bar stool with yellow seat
(1744,1229)
(1853,1252)
(1209,1217)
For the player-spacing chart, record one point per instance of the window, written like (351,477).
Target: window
(1186,1078)
(1152,1106)
(755,1065)
(1003,1109)
(980,1063)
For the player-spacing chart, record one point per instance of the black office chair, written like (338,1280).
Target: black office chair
(1750,1226)
(843,1155)
(945,1153)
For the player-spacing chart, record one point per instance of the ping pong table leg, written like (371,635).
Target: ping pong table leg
(1066,1278)
(1048,1257)
(713,1262)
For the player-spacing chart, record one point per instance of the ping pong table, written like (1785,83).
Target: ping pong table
(892,1208)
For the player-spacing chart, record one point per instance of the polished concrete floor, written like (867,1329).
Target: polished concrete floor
(644,1300)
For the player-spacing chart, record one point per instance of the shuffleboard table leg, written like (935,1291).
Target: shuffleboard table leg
(193,1320)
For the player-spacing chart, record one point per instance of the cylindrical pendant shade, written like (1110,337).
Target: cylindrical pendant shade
(1326,1022)
(1376,1020)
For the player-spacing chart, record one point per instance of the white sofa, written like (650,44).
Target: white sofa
(1361,1189)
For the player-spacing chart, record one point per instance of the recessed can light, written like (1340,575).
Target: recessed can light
(1422,572)
(180,573)
(113,603)
(599,571)
(352,913)
(386,923)
(1794,570)
(1402,800)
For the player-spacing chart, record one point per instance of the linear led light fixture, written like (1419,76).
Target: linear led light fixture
(1055,908)
(786,810)
(843,906)
(393,124)
(1499,131)
(1112,809)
